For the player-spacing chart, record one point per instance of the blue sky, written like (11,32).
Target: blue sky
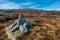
(31,4)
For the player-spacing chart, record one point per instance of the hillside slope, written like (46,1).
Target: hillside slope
(46,26)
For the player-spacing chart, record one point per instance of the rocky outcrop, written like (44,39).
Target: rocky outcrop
(19,27)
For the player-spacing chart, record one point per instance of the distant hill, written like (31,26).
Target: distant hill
(28,11)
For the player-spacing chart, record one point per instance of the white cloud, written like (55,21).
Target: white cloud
(9,6)
(6,4)
(26,3)
(13,5)
(45,1)
(55,6)
(4,0)
(35,6)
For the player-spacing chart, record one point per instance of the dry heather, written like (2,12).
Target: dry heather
(45,27)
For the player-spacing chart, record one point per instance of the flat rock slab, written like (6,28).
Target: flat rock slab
(12,35)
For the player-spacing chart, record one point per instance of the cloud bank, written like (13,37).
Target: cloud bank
(45,5)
